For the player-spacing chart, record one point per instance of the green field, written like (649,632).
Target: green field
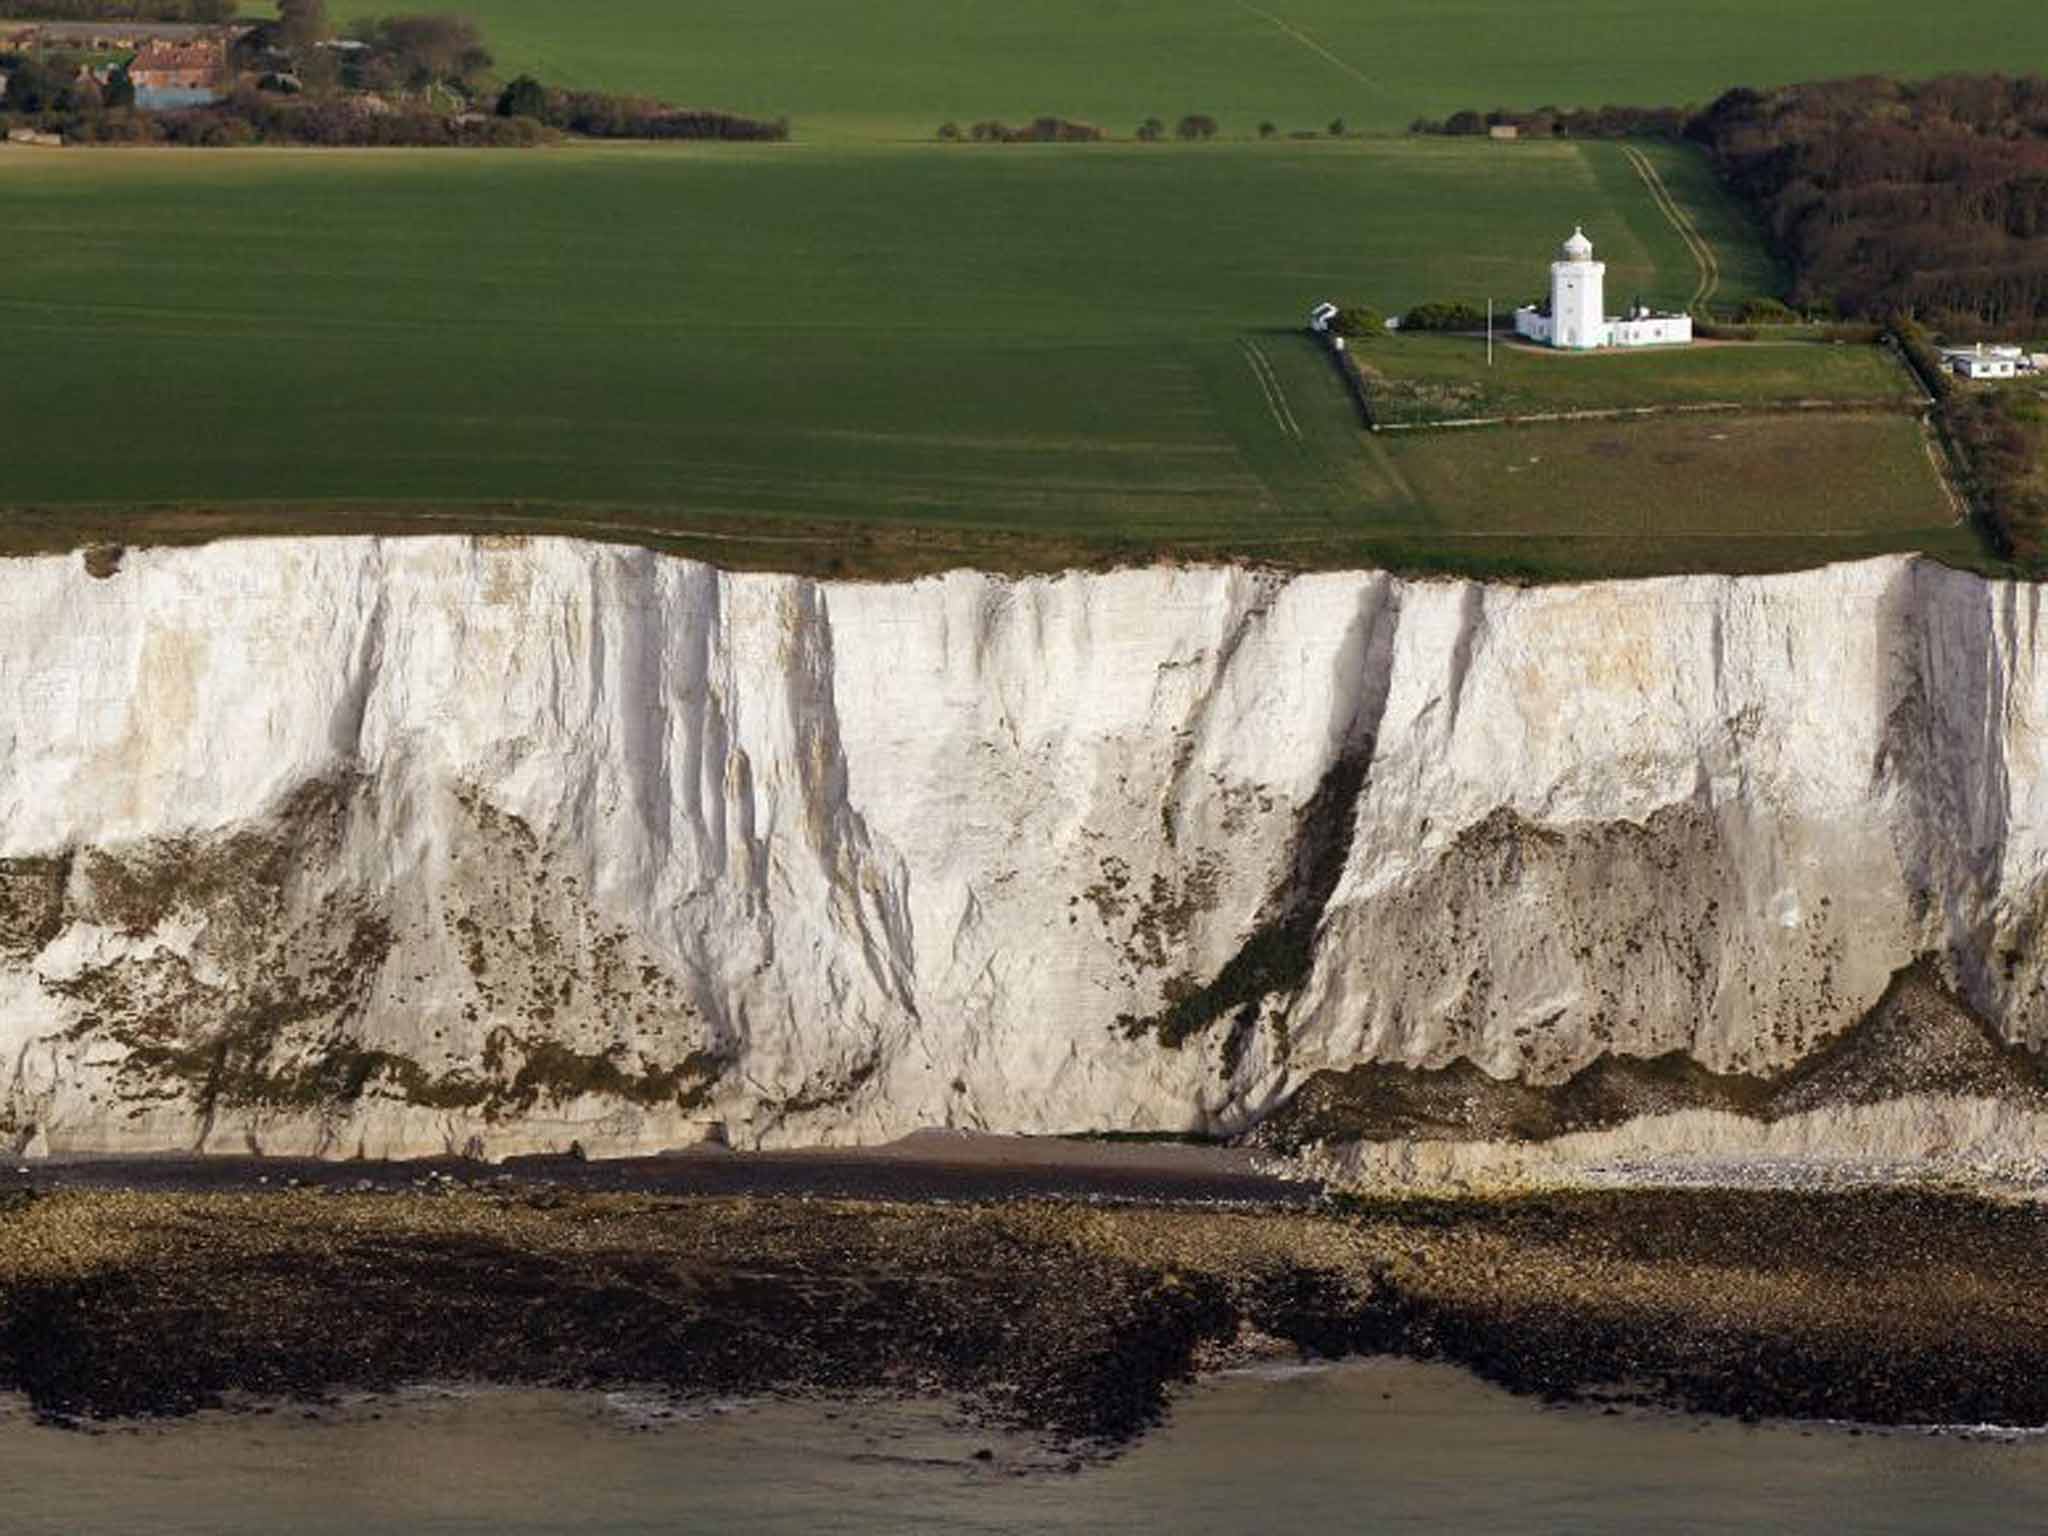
(897,68)
(1720,493)
(1031,345)
(1425,378)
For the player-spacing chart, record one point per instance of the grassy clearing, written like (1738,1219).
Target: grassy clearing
(1426,378)
(897,68)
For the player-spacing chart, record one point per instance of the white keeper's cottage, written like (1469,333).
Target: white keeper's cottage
(1576,316)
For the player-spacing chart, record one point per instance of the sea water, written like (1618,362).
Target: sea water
(1374,1446)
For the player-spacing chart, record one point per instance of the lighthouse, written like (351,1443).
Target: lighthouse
(1578,295)
(1576,317)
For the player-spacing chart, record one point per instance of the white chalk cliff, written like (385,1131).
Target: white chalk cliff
(404,846)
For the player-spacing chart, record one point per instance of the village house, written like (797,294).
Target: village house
(167,74)
(1575,317)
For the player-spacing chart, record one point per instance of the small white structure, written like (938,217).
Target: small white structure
(1320,317)
(1576,317)
(1982,362)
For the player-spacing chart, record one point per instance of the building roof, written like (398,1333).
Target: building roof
(1578,248)
(155,56)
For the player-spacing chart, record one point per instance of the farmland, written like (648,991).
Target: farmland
(867,356)
(895,69)
(1052,356)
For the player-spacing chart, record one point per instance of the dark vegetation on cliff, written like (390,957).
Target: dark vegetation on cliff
(1919,1039)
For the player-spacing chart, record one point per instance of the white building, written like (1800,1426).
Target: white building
(1982,362)
(1576,316)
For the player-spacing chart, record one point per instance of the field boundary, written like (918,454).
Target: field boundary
(1702,250)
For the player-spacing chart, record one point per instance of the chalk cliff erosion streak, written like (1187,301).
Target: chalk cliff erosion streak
(411,846)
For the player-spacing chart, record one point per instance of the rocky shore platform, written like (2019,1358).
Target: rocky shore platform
(1071,1318)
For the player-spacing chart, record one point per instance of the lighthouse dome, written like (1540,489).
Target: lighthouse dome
(1578,248)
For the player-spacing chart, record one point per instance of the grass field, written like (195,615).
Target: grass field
(1685,493)
(1424,378)
(897,68)
(1017,341)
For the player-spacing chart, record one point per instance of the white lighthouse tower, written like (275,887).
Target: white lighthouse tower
(1578,295)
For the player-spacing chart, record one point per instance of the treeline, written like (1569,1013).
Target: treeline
(251,116)
(1040,130)
(596,115)
(1927,198)
(206,12)
(1563,123)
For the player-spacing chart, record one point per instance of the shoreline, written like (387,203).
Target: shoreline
(1069,1320)
(926,1166)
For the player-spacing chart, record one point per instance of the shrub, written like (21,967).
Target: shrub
(1151,131)
(949,132)
(1336,129)
(1441,316)
(1464,124)
(1267,130)
(1359,322)
(1196,125)
(1764,311)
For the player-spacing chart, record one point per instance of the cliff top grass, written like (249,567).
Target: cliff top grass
(1419,379)
(857,361)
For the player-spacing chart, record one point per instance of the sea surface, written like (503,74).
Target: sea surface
(1375,1446)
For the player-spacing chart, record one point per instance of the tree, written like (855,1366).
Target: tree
(1336,129)
(949,131)
(302,23)
(1465,123)
(37,87)
(1151,131)
(1196,125)
(527,97)
(119,90)
(1267,130)
(423,51)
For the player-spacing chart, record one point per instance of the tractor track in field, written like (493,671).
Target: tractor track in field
(1702,252)
(1313,45)
(1269,386)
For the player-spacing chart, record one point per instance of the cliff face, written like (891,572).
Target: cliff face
(404,846)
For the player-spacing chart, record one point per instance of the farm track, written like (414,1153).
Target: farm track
(1702,252)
